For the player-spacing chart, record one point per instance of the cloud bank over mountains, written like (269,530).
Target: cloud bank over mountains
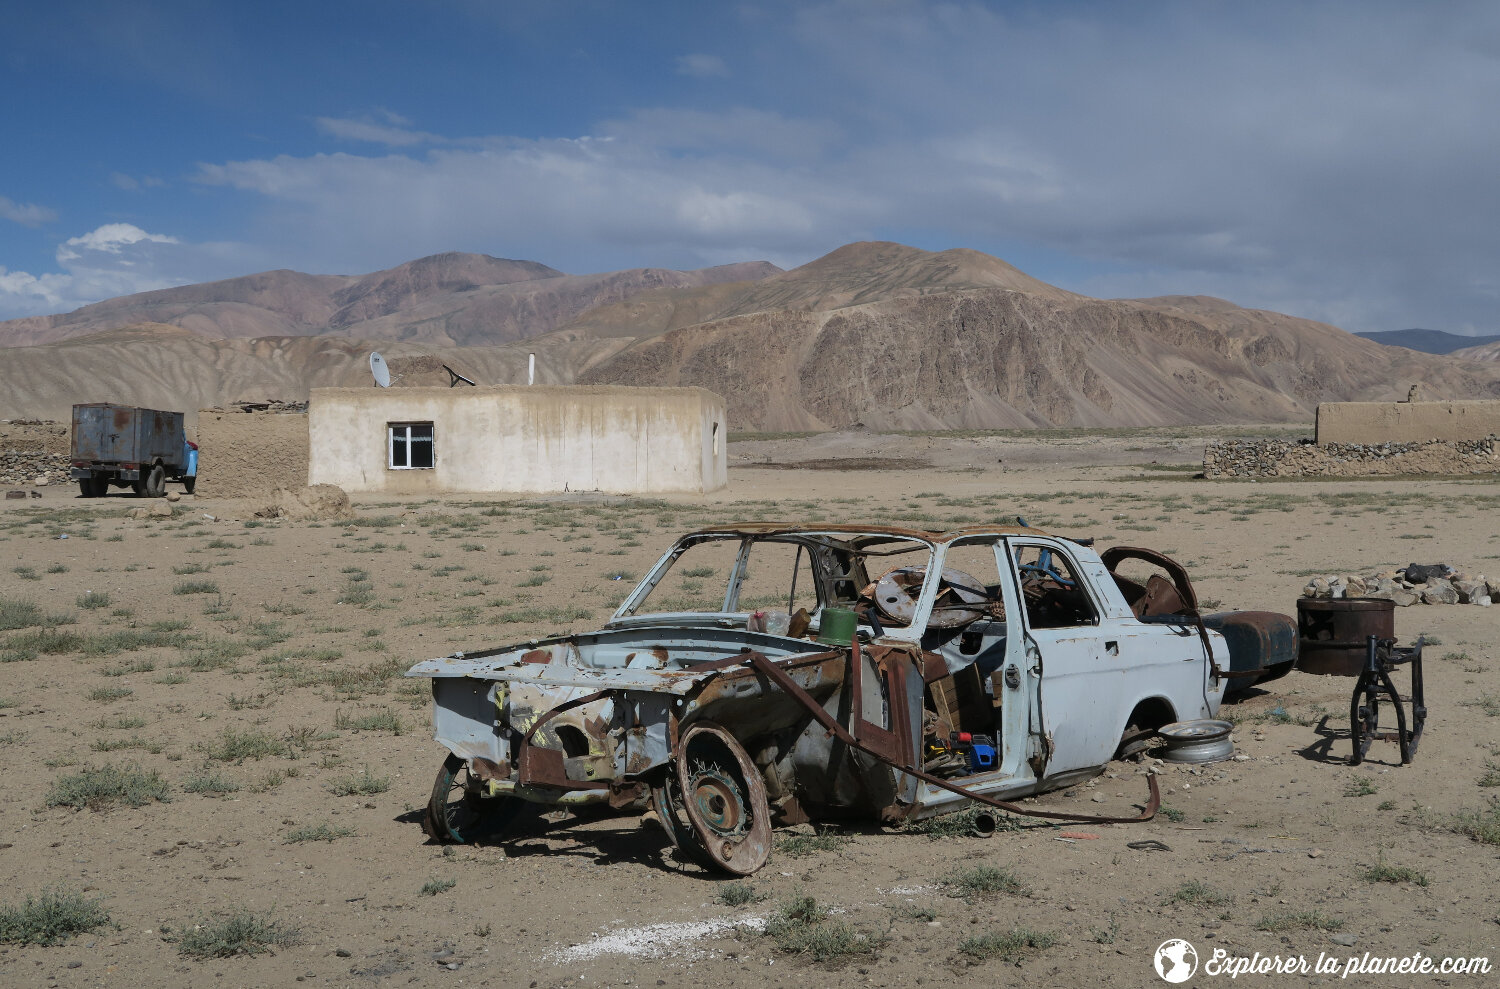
(1334,161)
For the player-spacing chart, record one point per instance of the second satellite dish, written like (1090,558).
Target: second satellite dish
(379,370)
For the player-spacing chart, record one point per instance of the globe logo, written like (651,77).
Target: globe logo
(1175,960)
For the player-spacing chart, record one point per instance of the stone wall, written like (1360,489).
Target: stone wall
(1280,458)
(1371,423)
(31,449)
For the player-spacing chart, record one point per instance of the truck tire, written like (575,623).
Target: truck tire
(156,482)
(86,487)
(189,483)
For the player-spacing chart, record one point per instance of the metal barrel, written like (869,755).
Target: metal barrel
(1333,634)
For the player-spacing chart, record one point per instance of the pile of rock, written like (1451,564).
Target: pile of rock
(33,468)
(1303,458)
(1436,584)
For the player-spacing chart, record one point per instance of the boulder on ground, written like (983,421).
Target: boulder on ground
(319,501)
(157,509)
(1439,591)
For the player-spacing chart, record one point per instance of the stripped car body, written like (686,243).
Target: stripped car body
(727,729)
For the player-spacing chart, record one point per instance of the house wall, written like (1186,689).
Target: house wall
(241,454)
(523,439)
(1406,422)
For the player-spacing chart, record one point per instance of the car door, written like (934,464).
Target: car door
(1077,652)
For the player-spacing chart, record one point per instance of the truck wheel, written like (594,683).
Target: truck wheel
(189,483)
(138,486)
(156,482)
(86,487)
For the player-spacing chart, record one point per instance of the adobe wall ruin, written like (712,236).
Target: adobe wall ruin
(1370,423)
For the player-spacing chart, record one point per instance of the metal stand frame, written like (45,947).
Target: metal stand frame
(1381,659)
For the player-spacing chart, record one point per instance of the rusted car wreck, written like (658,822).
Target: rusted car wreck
(763,674)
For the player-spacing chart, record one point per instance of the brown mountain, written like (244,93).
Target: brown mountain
(168,367)
(880,334)
(1483,352)
(930,349)
(446,300)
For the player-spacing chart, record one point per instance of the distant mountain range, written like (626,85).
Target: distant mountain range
(446,300)
(1428,341)
(874,333)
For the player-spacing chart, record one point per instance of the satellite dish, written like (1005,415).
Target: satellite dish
(379,370)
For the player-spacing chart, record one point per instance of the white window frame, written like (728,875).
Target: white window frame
(392,429)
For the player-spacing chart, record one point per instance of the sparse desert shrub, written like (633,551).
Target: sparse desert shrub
(1199,893)
(89,600)
(1482,824)
(237,746)
(969,882)
(210,783)
(435,886)
(108,695)
(800,845)
(45,642)
(1281,921)
(1380,872)
(361,784)
(19,614)
(801,927)
(383,720)
(133,742)
(738,894)
(317,832)
(104,786)
(196,587)
(242,933)
(1010,944)
(50,917)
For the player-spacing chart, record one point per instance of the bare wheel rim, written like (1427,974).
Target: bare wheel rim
(456,812)
(669,807)
(724,799)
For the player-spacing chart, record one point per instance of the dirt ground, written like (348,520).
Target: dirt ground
(220,651)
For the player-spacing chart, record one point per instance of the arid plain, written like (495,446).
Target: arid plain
(247,672)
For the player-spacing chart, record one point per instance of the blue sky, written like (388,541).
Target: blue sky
(1331,160)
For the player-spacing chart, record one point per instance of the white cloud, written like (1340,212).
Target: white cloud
(1322,163)
(702,66)
(112,238)
(116,259)
(26,214)
(393,131)
(1333,160)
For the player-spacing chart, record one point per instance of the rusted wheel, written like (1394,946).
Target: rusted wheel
(666,800)
(724,799)
(459,812)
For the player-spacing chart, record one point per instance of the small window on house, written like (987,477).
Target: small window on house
(410,445)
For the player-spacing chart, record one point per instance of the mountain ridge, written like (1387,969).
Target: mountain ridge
(875,333)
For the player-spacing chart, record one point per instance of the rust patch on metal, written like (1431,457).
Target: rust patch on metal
(487,769)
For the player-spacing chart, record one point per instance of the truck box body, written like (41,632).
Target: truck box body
(121,434)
